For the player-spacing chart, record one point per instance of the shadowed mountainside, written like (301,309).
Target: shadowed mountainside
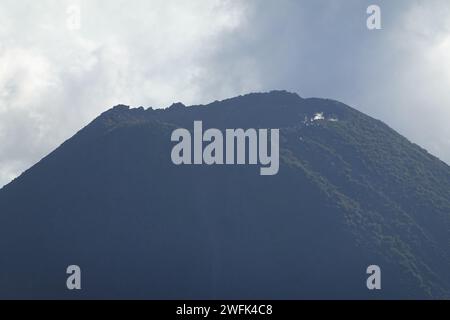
(350,192)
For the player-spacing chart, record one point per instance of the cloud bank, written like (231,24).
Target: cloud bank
(58,71)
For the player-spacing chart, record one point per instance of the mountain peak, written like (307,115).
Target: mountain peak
(350,191)
(272,96)
(120,107)
(177,105)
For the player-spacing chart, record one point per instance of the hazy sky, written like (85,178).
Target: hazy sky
(56,74)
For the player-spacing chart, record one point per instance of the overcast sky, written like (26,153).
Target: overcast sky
(56,74)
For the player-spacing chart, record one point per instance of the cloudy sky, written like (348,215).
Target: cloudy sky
(59,70)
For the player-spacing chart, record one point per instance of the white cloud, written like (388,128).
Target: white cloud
(54,80)
(152,53)
(415,85)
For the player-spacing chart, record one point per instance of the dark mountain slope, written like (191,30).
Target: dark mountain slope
(350,192)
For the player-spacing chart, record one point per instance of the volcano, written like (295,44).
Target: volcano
(350,192)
